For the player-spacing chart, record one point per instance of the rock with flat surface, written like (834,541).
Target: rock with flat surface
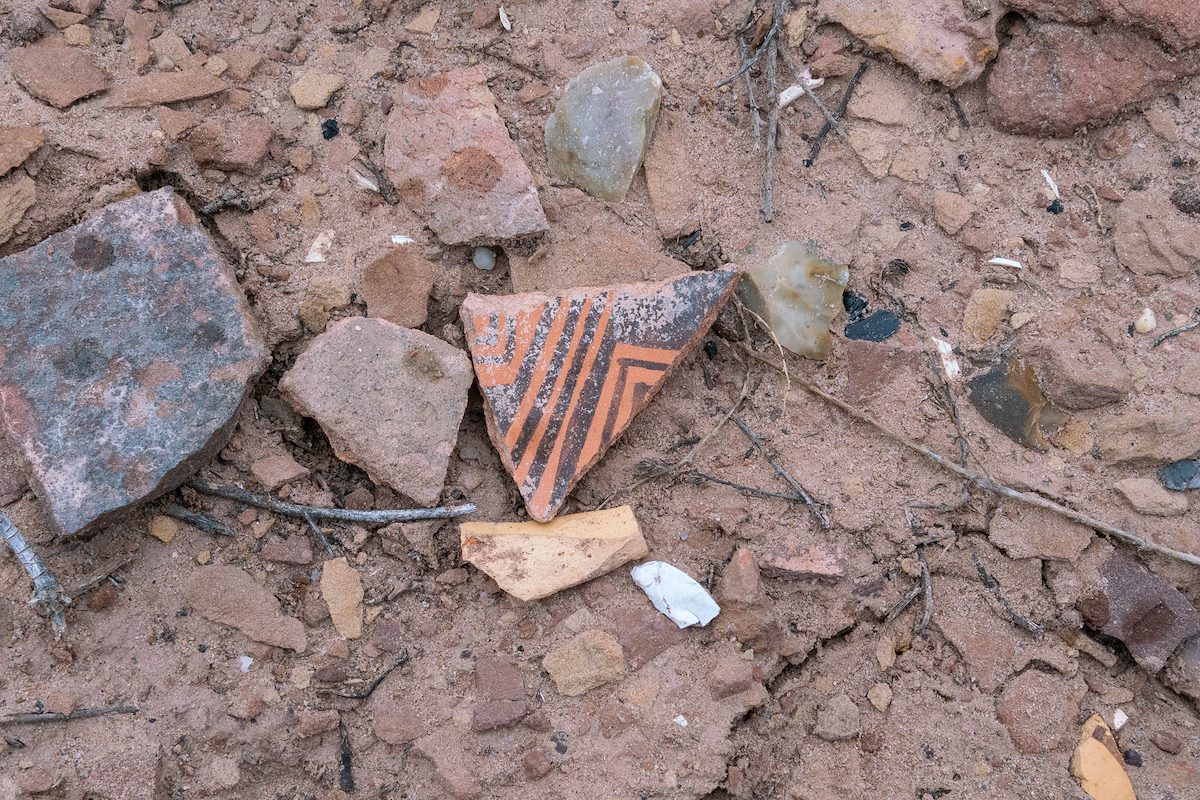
(951,211)
(562,376)
(18,193)
(453,765)
(530,560)
(450,157)
(1039,711)
(390,399)
(342,590)
(314,89)
(396,286)
(1148,497)
(1152,237)
(1055,78)
(231,597)
(126,347)
(938,39)
(278,470)
(798,293)
(792,560)
(1151,438)
(591,659)
(986,311)
(1124,600)
(500,690)
(238,145)
(1177,24)
(57,74)
(1078,371)
(17,143)
(157,88)
(599,131)
(838,719)
(1023,531)
(1183,670)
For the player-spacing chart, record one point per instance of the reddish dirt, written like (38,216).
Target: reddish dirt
(209,728)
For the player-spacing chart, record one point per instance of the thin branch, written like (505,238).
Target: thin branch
(320,535)
(983,482)
(927,590)
(373,685)
(48,594)
(814,507)
(380,517)
(986,578)
(79,713)
(819,139)
(1162,337)
(800,82)
(752,100)
(204,523)
(904,602)
(747,490)
(768,206)
(762,48)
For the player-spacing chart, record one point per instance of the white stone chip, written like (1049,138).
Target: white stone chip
(675,594)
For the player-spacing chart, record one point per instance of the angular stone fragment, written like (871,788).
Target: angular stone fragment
(951,211)
(599,131)
(1180,475)
(278,470)
(453,765)
(1098,765)
(938,39)
(1055,78)
(1026,532)
(342,590)
(1078,372)
(1152,237)
(17,143)
(1142,438)
(1009,397)
(1147,497)
(1129,603)
(530,560)
(18,193)
(838,719)
(452,161)
(1177,24)
(231,597)
(792,560)
(396,286)
(1038,710)
(314,89)
(126,347)
(798,293)
(165,87)
(985,312)
(563,376)
(593,658)
(56,74)
(501,695)
(238,145)
(883,99)
(1183,670)
(675,197)
(390,400)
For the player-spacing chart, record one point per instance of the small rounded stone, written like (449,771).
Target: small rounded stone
(484,258)
(1146,321)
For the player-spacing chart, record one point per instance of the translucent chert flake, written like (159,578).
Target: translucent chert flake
(601,127)
(797,293)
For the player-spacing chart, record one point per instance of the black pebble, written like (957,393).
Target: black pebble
(1056,207)
(329,128)
(874,328)
(1133,758)
(855,305)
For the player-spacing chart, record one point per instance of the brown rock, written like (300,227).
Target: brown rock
(14,473)
(176,123)
(17,143)
(644,634)
(452,161)
(1130,603)
(396,286)
(450,762)
(733,675)
(1177,24)
(390,400)
(938,39)
(1026,532)
(1056,78)
(1078,372)
(882,98)
(675,198)
(792,560)
(18,193)
(1152,237)
(530,560)
(394,720)
(231,597)
(1147,496)
(501,695)
(311,723)
(165,529)
(1183,670)
(563,376)
(56,74)
(536,764)
(591,659)
(275,471)
(343,592)
(157,88)
(246,702)
(61,18)
(314,89)
(837,719)
(73,330)
(293,550)
(321,296)
(951,211)
(740,580)
(985,312)
(1038,710)
(36,780)
(1141,438)
(241,63)
(61,702)
(238,145)
(1167,742)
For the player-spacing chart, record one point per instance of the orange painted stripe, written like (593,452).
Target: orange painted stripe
(594,443)
(504,374)
(490,351)
(538,378)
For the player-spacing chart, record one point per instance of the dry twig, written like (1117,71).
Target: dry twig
(79,713)
(204,523)
(1162,337)
(987,580)
(927,590)
(984,482)
(904,602)
(379,517)
(819,139)
(373,685)
(814,507)
(48,594)
(768,206)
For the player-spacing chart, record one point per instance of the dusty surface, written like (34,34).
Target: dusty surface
(799,689)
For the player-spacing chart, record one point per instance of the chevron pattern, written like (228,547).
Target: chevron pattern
(563,376)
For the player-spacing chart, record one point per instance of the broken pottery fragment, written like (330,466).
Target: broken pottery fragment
(600,129)
(562,376)
(1128,602)
(342,590)
(530,560)
(797,293)
(1098,765)
(232,597)
(57,74)
(452,161)
(1180,475)
(126,347)
(675,593)
(1009,397)
(390,399)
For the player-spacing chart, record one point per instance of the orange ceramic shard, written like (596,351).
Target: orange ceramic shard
(1098,765)
(563,375)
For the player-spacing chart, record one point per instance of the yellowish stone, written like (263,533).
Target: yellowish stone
(163,528)
(1097,763)
(343,592)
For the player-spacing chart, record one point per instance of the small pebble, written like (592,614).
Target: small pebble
(329,128)
(1146,322)
(1133,758)
(484,258)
